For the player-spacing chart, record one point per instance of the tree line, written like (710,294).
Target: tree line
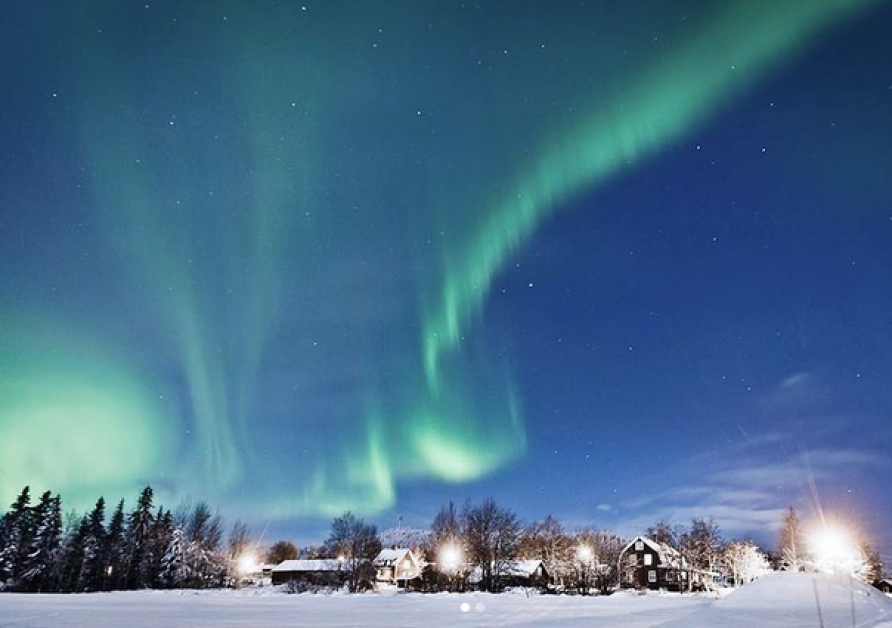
(41,549)
(44,550)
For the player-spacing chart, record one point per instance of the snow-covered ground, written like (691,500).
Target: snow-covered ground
(786,600)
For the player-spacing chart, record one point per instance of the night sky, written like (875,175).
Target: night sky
(613,261)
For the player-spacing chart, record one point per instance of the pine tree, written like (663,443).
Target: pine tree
(38,571)
(139,529)
(174,571)
(160,538)
(15,532)
(92,572)
(71,558)
(114,551)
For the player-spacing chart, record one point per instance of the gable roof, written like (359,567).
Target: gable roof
(388,557)
(326,564)
(668,555)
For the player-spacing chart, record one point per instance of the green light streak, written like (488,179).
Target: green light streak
(75,415)
(745,40)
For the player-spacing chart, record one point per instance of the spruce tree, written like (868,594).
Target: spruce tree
(114,550)
(38,570)
(139,529)
(15,531)
(71,558)
(92,571)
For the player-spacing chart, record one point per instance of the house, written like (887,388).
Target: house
(517,573)
(644,563)
(884,585)
(328,571)
(397,566)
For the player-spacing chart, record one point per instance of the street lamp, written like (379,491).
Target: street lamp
(835,551)
(585,555)
(450,559)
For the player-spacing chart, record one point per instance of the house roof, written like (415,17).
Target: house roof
(516,568)
(387,557)
(669,556)
(326,564)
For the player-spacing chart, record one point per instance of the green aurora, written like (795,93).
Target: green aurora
(256,252)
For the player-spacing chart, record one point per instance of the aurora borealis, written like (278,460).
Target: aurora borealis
(296,258)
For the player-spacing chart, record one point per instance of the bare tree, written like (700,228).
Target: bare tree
(281,550)
(492,534)
(356,543)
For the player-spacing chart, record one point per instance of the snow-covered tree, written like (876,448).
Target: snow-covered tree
(138,538)
(115,550)
(93,568)
(791,544)
(547,541)
(702,544)
(38,570)
(174,571)
(15,530)
(744,561)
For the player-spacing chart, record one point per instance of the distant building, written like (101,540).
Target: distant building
(646,564)
(328,572)
(517,573)
(397,566)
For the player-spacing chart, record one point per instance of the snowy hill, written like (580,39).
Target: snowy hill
(797,599)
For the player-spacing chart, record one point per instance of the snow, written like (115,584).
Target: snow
(775,600)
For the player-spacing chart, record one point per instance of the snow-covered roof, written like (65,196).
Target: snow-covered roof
(523,568)
(391,556)
(325,564)
(668,555)
(517,568)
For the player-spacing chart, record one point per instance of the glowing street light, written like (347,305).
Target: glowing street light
(450,557)
(247,564)
(584,554)
(835,551)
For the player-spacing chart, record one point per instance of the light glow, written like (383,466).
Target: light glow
(247,564)
(450,558)
(835,551)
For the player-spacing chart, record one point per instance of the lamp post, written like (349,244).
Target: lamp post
(449,559)
(585,555)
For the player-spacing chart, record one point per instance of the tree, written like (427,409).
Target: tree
(16,529)
(139,529)
(239,548)
(174,572)
(204,548)
(662,532)
(280,551)
(492,534)
(38,571)
(547,541)
(356,543)
(92,571)
(605,547)
(702,545)
(744,561)
(791,543)
(114,551)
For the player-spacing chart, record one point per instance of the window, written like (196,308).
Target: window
(648,559)
(639,546)
(652,576)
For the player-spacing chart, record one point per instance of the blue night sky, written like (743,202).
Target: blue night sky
(613,261)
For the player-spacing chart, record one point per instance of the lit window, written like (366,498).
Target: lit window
(648,559)
(652,576)
(639,545)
